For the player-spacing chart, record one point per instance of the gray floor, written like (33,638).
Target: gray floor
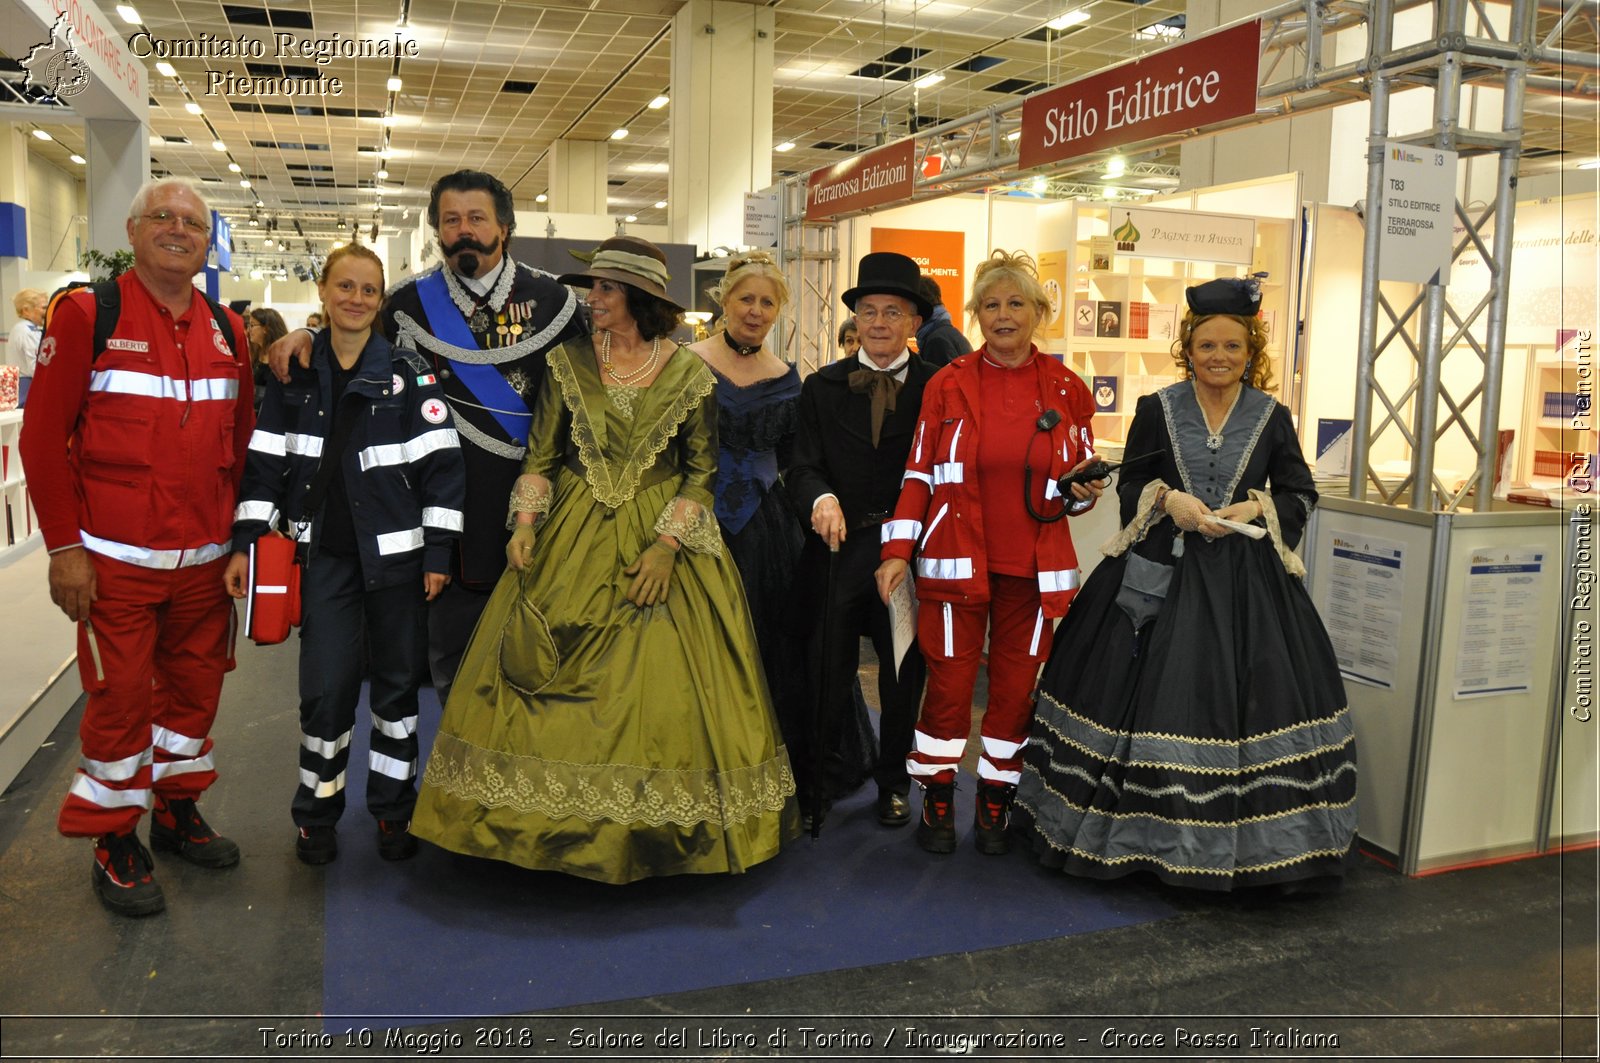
(1483,963)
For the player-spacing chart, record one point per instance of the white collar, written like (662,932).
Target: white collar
(898,367)
(481,286)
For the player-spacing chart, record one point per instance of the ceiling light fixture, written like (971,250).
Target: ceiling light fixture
(244,182)
(166,69)
(631,218)
(1015,134)
(42,135)
(620,134)
(787,145)
(1592,164)
(217,145)
(928,81)
(659,102)
(192,107)
(661,204)
(234,167)
(541,198)
(129,15)
(79,159)
(394,84)
(1116,166)
(1071,18)
(383,175)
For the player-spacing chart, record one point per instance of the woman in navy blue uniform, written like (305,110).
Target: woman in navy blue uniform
(358,458)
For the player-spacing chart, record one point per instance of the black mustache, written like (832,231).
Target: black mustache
(467,243)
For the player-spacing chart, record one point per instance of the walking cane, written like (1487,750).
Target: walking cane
(823,709)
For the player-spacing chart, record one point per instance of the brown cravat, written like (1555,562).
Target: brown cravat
(883,387)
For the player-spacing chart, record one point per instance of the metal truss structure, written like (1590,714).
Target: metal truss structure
(1475,43)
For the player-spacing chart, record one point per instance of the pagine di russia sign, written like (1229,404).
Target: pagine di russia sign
(1207,80)
(858,183)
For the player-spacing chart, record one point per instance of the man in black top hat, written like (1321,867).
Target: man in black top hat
(485,323)
(857,417)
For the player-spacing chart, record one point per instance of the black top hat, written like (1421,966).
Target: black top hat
(888,273)
(1226,295)
(627,260)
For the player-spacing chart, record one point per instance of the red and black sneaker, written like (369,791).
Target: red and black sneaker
(992,818)
(937,831)
(395,840)
(176,826)
(122,878)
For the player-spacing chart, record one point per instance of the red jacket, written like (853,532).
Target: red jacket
(137,454)
(939,515)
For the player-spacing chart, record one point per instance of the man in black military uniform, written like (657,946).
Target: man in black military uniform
(485,323)
(857,417)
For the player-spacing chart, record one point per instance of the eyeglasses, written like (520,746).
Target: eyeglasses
(167,217)
(891,314)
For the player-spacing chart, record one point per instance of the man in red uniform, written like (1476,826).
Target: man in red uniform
(134,455)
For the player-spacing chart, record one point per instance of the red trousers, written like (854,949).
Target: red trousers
(151,656)
(951,637)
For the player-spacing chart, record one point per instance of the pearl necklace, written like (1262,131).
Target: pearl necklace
(637,374)
(1214,435)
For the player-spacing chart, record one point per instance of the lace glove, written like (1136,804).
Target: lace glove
(1184,509)
(519,551)
(651,573)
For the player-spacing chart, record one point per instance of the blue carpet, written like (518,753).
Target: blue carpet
(444,934)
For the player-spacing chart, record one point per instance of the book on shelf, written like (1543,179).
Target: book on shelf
(1333,446)
(1138,321)
(1105,394)
(1083,311)
(1163,322)
(1108,318)
(1563,404)
(1102,253)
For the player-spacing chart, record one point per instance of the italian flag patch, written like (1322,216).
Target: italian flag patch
(427,378)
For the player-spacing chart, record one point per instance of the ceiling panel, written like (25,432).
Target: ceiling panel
(597,63)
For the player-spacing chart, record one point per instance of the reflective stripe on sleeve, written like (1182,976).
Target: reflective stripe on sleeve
(1061,579)
(164,768)
(901,529)
(439,517)
(947,472)
(265,512)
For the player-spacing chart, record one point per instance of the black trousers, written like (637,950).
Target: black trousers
(856,612)
(452,616)
(348,633)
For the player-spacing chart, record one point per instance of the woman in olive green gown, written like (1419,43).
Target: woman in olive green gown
(610,719)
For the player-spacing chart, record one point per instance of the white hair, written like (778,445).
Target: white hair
(141,198)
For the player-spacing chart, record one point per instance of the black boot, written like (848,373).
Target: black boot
(122,878)
(992,818)
(176,826)
(937,831)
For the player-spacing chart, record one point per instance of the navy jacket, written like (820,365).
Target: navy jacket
(402,463)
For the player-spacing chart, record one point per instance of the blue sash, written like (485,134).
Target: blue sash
(484,381)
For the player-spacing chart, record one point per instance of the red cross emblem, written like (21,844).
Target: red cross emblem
(434,411)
